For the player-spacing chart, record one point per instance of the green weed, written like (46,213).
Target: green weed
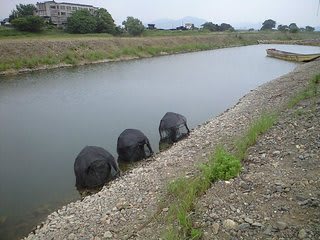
(310,92)
(70,58)
(222,165)
(257,128)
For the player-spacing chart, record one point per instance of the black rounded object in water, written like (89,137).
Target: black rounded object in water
(173,127)
(133,145)
(94,166)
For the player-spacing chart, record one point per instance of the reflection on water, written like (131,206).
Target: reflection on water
(49,116)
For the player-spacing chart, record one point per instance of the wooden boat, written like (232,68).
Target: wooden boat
(289,56)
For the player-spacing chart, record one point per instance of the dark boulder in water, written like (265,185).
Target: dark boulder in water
(94,166)
(133,145)
(173,127)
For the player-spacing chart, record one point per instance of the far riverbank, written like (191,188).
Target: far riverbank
(31,54)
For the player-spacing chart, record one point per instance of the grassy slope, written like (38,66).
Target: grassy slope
(34,51)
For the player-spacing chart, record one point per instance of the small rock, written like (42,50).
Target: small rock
(302,234)
(279,189)
(215,228)
(244,185)
(232,208)
(244,226)
(281,225)
(108,234)
(268,230)
(165,210)
(230,224)
(71,236)
(213,216)
(256,224)
(276,153)
(248,220)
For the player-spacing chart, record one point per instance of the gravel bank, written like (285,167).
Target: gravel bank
(126,204)
(277,195)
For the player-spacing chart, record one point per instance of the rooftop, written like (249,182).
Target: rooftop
(75,4)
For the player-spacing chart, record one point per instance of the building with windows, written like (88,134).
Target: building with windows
(58,13)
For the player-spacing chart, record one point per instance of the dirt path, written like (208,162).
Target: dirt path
(128,203)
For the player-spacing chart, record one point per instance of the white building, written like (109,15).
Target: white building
(58,13)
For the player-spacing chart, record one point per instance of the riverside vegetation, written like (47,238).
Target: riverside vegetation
(35,51)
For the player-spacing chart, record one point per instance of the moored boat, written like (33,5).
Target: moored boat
(289,56)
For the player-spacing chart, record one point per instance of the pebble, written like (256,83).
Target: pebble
(215,228)
(281,225)
(268,230)
(302,234)
(108,235)
(244,226)
(248,220)
(256,224)
(230,224)
(72,236)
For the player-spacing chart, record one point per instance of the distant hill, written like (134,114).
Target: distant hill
(246,26)
(171,23)
(167,23)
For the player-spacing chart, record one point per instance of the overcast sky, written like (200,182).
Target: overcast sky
(302,12)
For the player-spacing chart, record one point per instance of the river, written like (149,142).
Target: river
(47,117)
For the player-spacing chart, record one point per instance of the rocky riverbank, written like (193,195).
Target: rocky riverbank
(126,206)
(277,195)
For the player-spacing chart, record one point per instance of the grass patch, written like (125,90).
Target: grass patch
(222,165)
(310,92)
(184,192)
(257,128)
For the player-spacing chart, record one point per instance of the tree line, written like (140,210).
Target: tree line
(100,21)
(81,21)
(270,24)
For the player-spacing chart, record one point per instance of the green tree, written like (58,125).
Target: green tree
(210,26)
(268,24)
(283,28)
(226,27)
(105,22)
(293,28)
(22,10)
(28,23)
(81,21)
(309,29)
(133,26)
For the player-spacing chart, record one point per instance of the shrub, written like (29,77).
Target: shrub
(133,26)
(28,23)
(81,21)
(222,166)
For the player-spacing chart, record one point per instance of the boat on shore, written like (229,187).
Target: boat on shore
(289,56)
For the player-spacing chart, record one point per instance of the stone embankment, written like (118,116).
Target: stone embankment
(266,200)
